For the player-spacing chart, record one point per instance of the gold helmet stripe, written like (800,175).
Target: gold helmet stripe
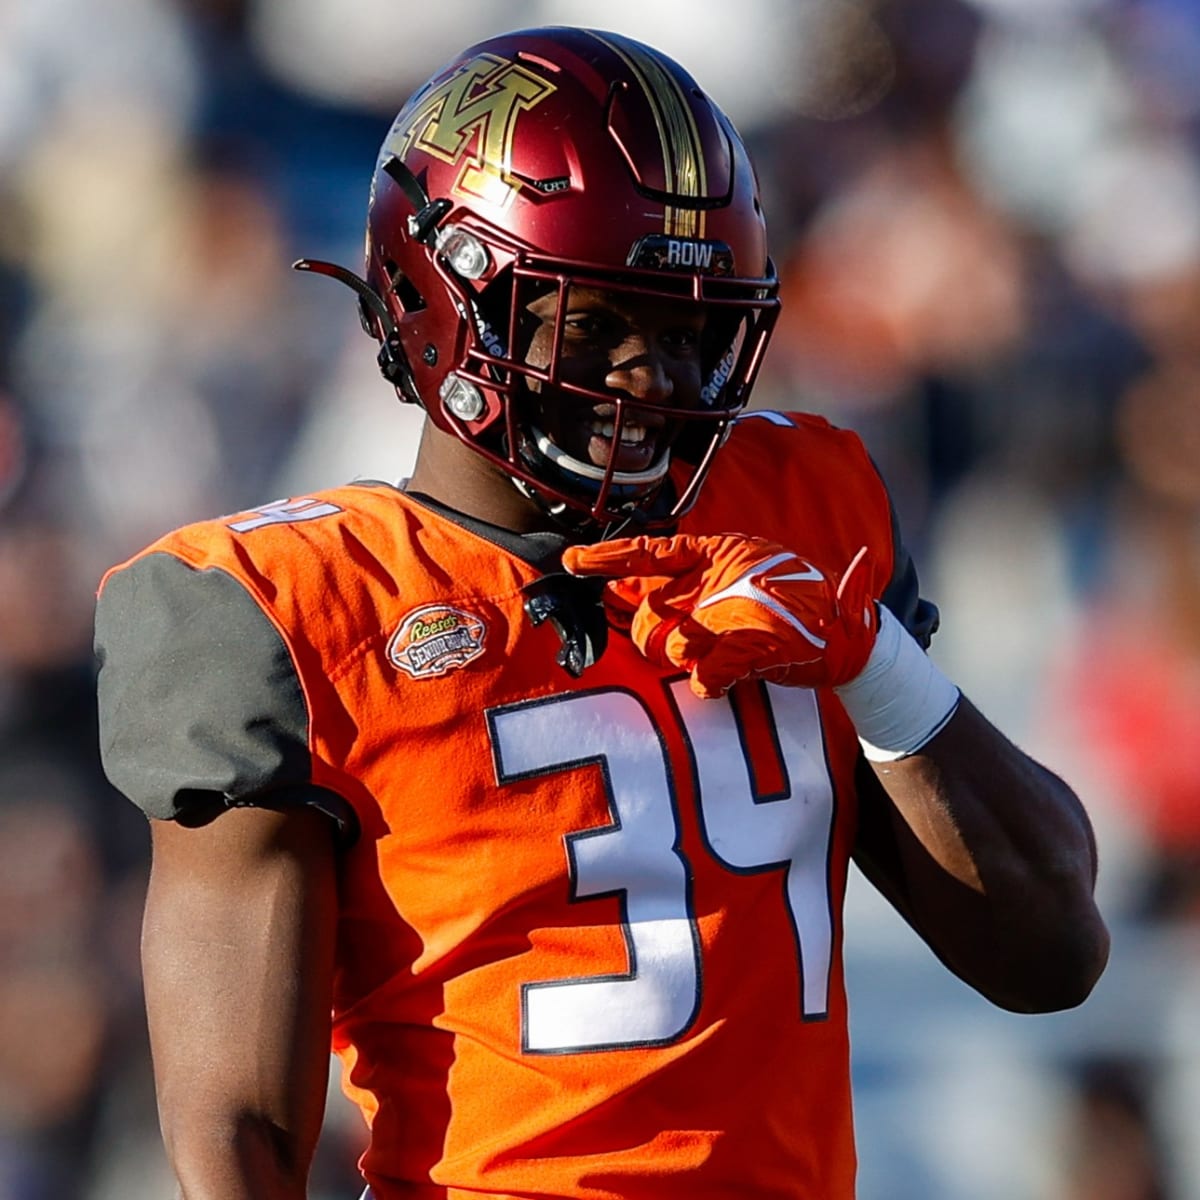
(683,152)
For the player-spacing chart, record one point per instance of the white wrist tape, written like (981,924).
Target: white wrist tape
(900,699)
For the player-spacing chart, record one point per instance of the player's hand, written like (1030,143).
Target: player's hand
(727,607)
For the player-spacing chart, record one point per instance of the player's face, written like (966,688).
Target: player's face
(644,349)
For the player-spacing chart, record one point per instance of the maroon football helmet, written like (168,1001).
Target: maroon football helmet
(544,160)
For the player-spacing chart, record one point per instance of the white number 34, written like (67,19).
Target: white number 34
(637,856)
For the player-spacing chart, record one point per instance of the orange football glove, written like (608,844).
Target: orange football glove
(727,607)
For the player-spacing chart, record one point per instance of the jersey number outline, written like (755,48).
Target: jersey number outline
(637,856)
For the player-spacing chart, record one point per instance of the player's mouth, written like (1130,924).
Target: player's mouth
(635,449)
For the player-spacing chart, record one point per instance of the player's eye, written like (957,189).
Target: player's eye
(683,339)
(591,326)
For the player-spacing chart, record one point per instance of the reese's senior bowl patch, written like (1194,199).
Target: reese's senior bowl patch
(435,639)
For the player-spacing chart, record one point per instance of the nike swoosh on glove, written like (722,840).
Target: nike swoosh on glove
(726,607)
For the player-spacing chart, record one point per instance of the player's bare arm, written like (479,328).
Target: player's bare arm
(237,954)
(991,857)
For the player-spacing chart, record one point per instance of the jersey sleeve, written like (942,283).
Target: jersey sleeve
(200,704)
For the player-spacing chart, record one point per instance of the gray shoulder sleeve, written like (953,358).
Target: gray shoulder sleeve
(200,704)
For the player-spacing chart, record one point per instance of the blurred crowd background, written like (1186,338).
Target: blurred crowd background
(987,217)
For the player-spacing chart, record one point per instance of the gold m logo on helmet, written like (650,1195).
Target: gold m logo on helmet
(476,107)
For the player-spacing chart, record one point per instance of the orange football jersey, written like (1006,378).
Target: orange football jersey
(590,927)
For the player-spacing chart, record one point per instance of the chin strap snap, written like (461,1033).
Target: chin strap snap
(573,606)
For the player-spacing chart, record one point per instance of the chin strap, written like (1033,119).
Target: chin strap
(376,320)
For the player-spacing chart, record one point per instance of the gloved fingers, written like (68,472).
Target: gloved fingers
(724,658)
(663,598)
(708,688)
(668,637)
(627,594)
(855,603)
(686,643)
(643,555)
(716,671)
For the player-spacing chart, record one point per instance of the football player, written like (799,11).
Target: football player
(531,785)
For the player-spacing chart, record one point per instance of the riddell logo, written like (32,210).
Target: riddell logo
(436,639)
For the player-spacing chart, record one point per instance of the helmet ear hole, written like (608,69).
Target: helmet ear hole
(403,288)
